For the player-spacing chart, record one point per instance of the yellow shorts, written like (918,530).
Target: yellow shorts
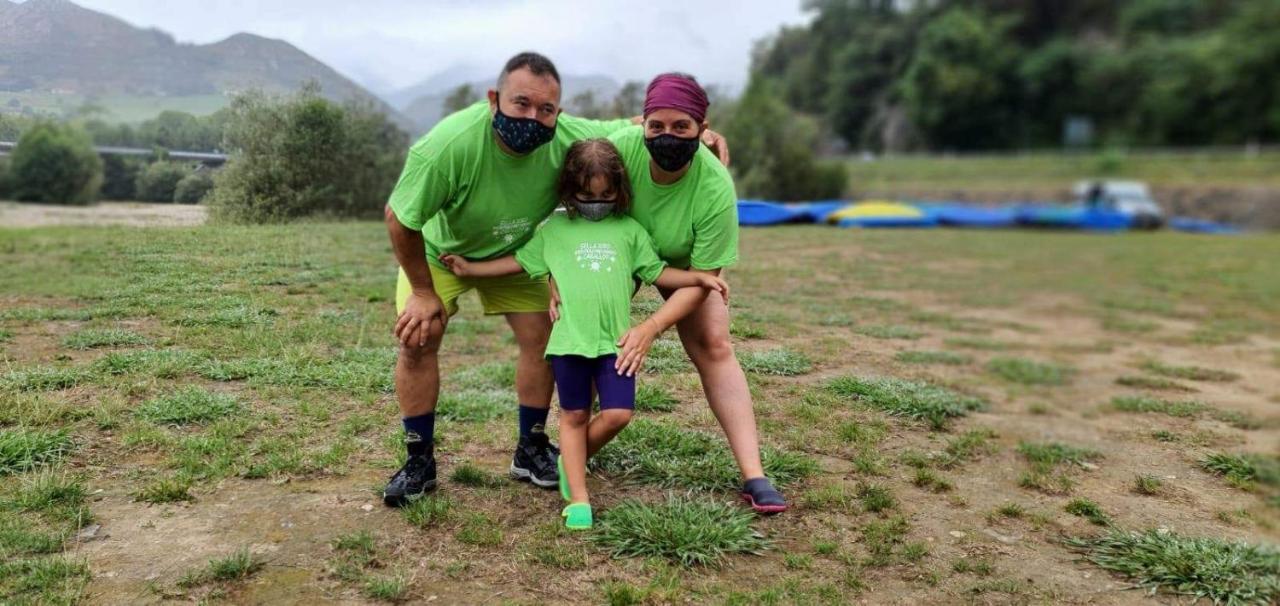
(501,295)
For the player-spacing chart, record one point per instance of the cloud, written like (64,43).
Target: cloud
(389,44)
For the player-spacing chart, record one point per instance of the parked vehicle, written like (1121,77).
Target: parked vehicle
(1129,198)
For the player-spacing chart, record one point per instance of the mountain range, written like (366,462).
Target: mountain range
(55,55)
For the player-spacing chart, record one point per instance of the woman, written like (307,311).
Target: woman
(684,198)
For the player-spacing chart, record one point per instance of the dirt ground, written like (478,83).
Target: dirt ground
(134,214)
(809,290)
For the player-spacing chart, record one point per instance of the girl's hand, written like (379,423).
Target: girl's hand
(635,346)
(555,299)
(456,265)
(715,283)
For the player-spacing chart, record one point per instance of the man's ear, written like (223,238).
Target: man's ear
(493,100)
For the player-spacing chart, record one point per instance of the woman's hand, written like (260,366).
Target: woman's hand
(635,346)
(456,265)
(554,309)
(715,283)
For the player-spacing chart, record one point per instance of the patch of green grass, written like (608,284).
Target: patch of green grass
(491,376)
(1088,510)
(667,356)
(978,343)
(428,511)
(1126,324)
(1029,372)
(166,490)
(1152,383)
(881,537)
(23,449)
(672,457)
(651,397)
(359,542)
(1146,404)
(1147,484)
(93,338)
(20,537)
(386,588)
(1011,510)
(830,498)
(930,480)
(1222,571)
(910,399)
(480,529)
(1244,471)
(5,335)
(1046,459)
(44,378)
(967,446)
(982,567)
(1236,419)
(686,531)
(744,330)
(239,565)
(889,331)
(797,561)
(241,316)
(55,494)
(948,358)
(159,363)
(876,498)
(467,474)
(476,406)
(187,406)
(1190,373)
(50,580)
(780,362)
(359,370)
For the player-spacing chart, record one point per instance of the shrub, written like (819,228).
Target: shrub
(193,188)
(159,181)
(55,163)
(120,177)
(303,156)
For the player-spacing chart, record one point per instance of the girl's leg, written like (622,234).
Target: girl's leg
(617,402)
(573,376)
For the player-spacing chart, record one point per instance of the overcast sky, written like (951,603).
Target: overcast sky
(389,44)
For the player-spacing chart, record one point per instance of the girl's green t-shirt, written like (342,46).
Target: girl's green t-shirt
(594,264)
(694,221)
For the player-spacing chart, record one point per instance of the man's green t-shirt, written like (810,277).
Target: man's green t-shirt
(593,263)
(469,197)
(694,221)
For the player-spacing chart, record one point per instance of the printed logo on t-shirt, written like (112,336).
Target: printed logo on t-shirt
(595,256)
(509,230)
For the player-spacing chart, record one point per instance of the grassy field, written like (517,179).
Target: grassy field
(958,417)
(115,108)
(1205,168)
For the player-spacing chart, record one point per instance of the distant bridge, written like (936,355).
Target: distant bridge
(206,158)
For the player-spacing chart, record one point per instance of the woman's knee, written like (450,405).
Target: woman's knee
(710,346)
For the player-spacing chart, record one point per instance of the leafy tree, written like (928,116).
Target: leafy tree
(460,98)
(120,176)
(193,188)
(158,181)
(55,163)
(629,101)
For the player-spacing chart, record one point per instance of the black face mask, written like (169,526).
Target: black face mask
(672,152)
(522,135)
(593,210)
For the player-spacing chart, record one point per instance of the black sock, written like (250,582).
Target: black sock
(419,433)
(532,419)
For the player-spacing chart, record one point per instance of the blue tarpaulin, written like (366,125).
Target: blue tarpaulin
(1201,226)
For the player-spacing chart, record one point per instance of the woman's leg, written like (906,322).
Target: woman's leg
(705,335)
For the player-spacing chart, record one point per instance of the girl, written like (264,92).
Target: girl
(594,252)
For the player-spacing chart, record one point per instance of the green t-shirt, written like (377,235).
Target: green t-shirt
(694,221)
(470,198)
(593,263)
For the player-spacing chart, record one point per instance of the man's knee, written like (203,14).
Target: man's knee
(414,355)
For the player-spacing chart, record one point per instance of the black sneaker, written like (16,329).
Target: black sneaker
(416,478)
(535,461)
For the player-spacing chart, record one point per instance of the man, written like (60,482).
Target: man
(477,185)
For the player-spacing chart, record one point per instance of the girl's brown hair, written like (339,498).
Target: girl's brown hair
(586,160)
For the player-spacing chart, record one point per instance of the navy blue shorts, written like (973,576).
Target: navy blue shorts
(576,374)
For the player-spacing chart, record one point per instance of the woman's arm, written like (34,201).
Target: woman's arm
(635,344)
(463,268)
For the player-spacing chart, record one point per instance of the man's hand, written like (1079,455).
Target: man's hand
(718,144)
(456,265)
(635,346)
(420,311)
(715,283)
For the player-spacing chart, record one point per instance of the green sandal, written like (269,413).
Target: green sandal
(577,516)
(564,481)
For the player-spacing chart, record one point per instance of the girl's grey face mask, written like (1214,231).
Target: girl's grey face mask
(594,210)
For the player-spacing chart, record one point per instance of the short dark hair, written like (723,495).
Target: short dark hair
(590,158)
(534,62)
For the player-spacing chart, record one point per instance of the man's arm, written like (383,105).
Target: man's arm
(423,306)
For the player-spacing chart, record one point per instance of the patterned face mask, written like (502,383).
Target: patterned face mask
(672,152)
(522,135)
(593,210)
